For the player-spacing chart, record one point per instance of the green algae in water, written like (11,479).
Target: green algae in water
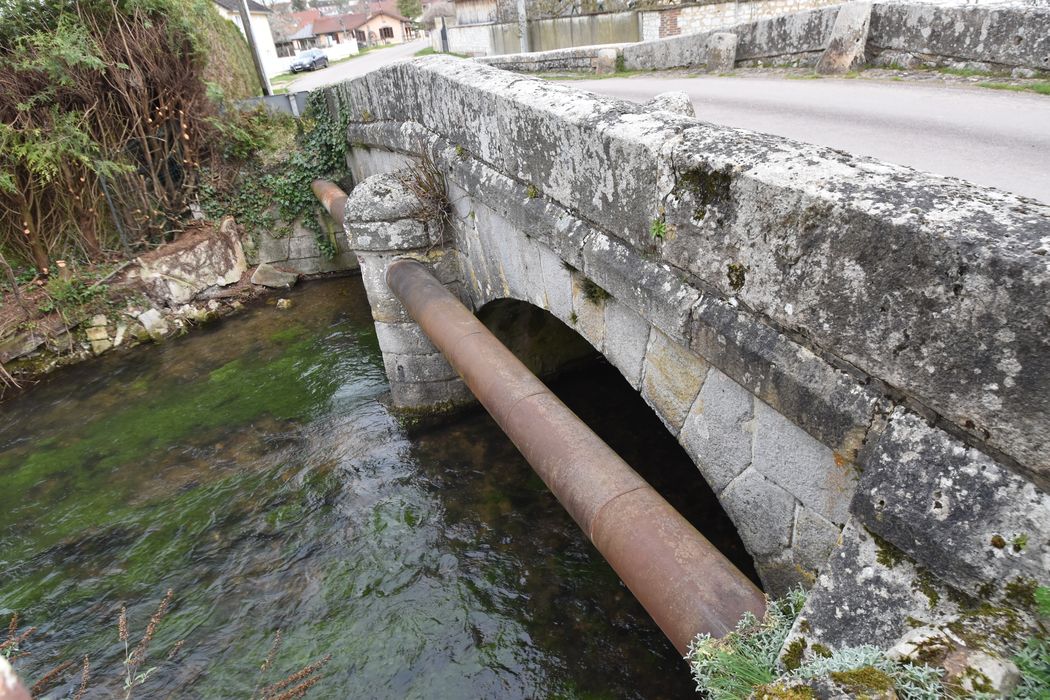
(251,468)
(231,395)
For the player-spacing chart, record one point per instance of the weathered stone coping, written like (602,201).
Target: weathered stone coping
(935,287)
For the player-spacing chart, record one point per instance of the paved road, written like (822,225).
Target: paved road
(990,137)
(357,66)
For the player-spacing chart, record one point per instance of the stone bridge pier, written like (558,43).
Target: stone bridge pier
(855,355)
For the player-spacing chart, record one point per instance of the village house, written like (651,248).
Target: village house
(379,24)
(259,15)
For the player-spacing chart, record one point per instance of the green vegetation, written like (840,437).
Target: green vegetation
(731,667)
(746,659)
(429,51)
(1033,660)
(658,229)
(267,166)
(105,112)
(295,685)
(592,292)
(410,8)
(1041,87)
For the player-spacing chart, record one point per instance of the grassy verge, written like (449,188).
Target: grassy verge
(602,76)
(429,51)
(1041,88)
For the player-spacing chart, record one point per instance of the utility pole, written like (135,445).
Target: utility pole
(246,25)
(523,26)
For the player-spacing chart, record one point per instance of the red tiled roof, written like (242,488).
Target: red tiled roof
(332,24)
(306,16)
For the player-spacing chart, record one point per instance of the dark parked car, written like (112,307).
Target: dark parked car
(310,60)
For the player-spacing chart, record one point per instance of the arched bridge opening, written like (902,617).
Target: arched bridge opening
(596,391)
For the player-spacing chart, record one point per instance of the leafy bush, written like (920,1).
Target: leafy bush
(105,120)
(274,174)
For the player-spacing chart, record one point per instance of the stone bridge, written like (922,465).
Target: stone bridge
(856,355)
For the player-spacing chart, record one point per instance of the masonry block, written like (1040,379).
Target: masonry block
(430,367)
(721,52)
(442,394)
(763,512)
(849,36)
(590,314)
(272,249)
(303,247)
(671,379)
(951,508)
(718,431)
(407,234)
(403,339)
(605,61)
(813,540)
(806,468)
(557,284)
(626,338)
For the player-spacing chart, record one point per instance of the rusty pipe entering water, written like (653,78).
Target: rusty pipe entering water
(332,198)
(681,579)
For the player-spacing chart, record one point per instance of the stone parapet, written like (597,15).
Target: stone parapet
(818,330)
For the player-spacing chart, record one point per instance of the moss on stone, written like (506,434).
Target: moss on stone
(886,554)
(925,584)
(737,274)
(986,590)
(1021,592)
(821,650)
(863,680)
(708,187)
(988,626)
(592,292)
(780,691)
(803,625)
(792,656)
(998,541)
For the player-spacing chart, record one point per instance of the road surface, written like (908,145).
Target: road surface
(990,137)
(354,67)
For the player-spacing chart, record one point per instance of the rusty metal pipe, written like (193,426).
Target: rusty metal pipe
(332,198)
(681,579)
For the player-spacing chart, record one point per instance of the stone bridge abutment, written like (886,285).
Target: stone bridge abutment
(855,355)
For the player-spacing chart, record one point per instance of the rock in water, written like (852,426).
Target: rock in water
(267,275)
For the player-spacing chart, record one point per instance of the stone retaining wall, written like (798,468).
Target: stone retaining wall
(707,17)
(587,59)
(990,38)
(1012,40)
(841,344)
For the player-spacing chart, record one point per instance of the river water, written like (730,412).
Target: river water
(253,468)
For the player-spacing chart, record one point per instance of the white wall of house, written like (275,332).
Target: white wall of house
(374,30)
(272,63)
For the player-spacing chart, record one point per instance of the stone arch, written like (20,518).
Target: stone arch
(787,493)
(552,350)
